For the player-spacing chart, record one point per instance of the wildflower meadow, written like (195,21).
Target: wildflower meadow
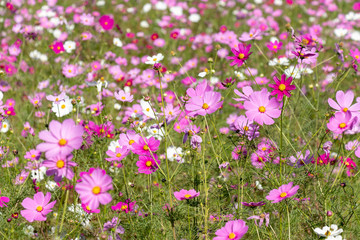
(179,119)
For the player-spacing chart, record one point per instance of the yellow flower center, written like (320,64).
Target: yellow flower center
(63,106)
(357,56)
(62,142)
(205,106)
(262,109)
(118,155)
(123,207)
(21,178)
(96,190)
(39,208)
(88,208)
(283,194)
(282,87)
(123,98)
(148,163)
(246,128)
(275,47)
(146,148)
(342,125)
(327,233)
(241,55)
(33,156)
(131,142)
(187,196)
(60,164)
(232,235)
(345,109)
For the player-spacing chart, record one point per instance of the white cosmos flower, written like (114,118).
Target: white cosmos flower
(38,174)
(63,108)
(240,75)
(293,72)
(5,126)
(175,153)
(117,42)
(355,35)
(202,74)
(144,24)
(340,32)
(1,95)
(51,185)
(154,59)
(147,109)
(69,46)
(329,232)
(281,61)
(194,17)
(155,132)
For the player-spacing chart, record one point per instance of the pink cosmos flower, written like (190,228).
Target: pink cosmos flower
(344,101)
(86,36)
(186,194)
(274,46)
(69,70)
(106,22)
(355,54)
(96,108)
(126,206)
(118,155)
(204,105)
(261,108)
(21,177)
(147,164)
(57,47)
(283,192)
(61,138)
(261,217)
(27,129)
(93,188)
(33,155)
(233,230)
(60,166)
(145,145)
(282,87)
(128,139)
(124,96)
(241,54)
(37,208)
(254,33)
(341,122)
(3,200)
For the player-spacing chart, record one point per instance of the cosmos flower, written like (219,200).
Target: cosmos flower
(147,164)
(261,108)
(241,54)
(329,232)
(283,192)
(3,200)
(282,87)
(36,209)
(341,122)
(209,103)
(186,194)
(61,138)
(106,22)
(145,145)
(233,230)
(93,188)
(60,166)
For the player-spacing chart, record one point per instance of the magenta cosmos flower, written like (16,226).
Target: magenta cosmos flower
(106,22)
(3,200)
(186,194)
(241,55)
(93,188)
(207,104)
(284,191)
(145,145)
(118,155)
(282,87)
(261,108)
(61,166)
(147,164)
(232,230)
(344,101)
(61,139)
(37,208)
(341,122)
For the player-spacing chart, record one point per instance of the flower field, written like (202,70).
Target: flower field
(169,119)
